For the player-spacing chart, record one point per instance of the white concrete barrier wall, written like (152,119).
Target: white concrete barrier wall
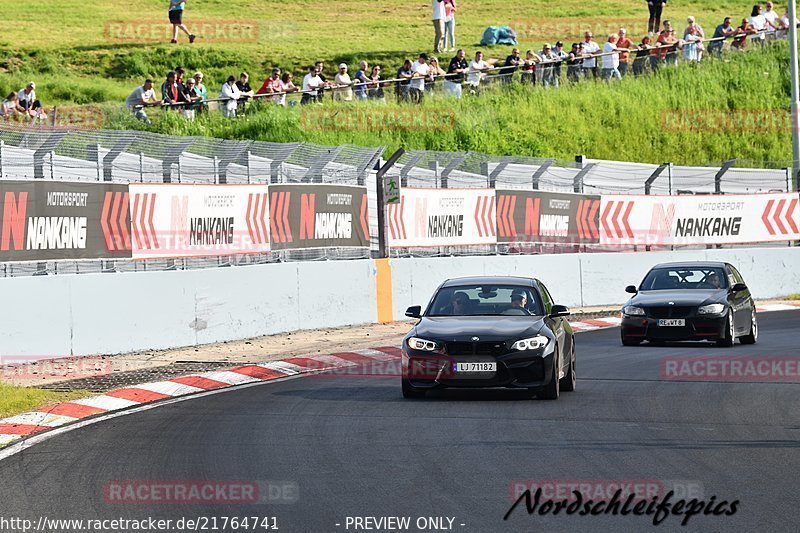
(53,316)
(592,279)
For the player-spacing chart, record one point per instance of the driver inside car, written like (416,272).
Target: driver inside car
(518,300)
(713,279)
(459,304)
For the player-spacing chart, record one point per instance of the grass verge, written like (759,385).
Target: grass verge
(15,400)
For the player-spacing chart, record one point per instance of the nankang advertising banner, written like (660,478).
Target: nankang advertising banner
(318,216)
(189,220)
(53,220)
(442,217)
(540,216)
(699,219)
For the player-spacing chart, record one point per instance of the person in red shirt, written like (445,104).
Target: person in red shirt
(272,84)
(624,57)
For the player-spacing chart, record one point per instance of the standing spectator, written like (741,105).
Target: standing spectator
(438,25)
(529,67)
(693,41)
(449,25)
(667,53)
(642,52)
(476,71)
(760,24)
(312,83)
(11,107)
(740,35)
(287,86)
(575,63)
(549,59)
(654,22)
(325,83)
(199,88)
(562,56)
(404,75)
(176,19)
(624,43)
(27,100)
(436,72)
(272,84)
(590,48)
(245,91)
(375,87)
(610,59)
(421,71)
(455,74)
(773,19)
(192,99)
(344,85)
(179,73)
(360,80)
(722,32)
(511,64)
(230,93)
(140,98)
(785,21)
(171,92)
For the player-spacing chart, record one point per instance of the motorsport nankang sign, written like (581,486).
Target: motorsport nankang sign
(540,216)
(52,220)
(185,220)
(699,219)
(442,217)
(318,216)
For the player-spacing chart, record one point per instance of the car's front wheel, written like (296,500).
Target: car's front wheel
(570,379)
(630,341)
(751,337)
(410,391)
(729,335)
(551,390)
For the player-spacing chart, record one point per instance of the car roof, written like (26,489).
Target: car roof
(490,280)
(692,264)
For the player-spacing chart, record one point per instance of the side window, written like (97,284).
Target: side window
(736,276)
(546,298)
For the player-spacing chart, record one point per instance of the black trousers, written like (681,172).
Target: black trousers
(654,23)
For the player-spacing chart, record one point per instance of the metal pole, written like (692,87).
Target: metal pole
(795,107)
(2,144)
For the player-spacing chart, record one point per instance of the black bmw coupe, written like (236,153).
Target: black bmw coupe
(490,332)
(690,301)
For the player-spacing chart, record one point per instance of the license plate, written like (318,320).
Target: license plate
(671,322)
(476,367)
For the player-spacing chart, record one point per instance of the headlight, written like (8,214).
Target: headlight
(632,310)
(422,344)
(534,343)
(711,309)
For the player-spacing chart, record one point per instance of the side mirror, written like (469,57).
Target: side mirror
(737,287)
(631,289)
(559,310)
(415,311)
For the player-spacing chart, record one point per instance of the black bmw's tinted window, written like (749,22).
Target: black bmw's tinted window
(472,300)
(685,278)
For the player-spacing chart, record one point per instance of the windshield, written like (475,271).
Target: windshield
(486,300)
(685,278)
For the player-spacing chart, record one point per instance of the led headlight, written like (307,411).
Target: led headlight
(422,344)
(632,310)
(534,343)
(711,309)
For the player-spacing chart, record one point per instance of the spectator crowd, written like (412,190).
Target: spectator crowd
(615,57)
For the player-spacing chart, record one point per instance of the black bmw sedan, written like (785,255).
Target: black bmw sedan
(490,332)
(690,301)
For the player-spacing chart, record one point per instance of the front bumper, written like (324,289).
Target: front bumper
(521,369)
(711,327)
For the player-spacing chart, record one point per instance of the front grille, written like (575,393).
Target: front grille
(669,311)
(475,348)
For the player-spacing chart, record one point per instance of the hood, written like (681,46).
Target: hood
(488,328)
(679,297)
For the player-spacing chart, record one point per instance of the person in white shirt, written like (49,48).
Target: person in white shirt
(231,93)
(590,47)
(438,24)
(311,85)
(476,68)
(760,24)
(773,18)
(421,71)
(547,70)
(344,91)
(27,99)
(610,59)
(140,98)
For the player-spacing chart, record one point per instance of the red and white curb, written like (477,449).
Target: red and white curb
(26,424)
(591,324)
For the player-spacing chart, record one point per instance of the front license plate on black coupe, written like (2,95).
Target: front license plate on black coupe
(671,322)
(476,367)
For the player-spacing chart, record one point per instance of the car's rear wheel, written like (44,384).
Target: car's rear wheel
(729,335)
(410,391)
(551,390)
(630,341)
(569,381)
(751,337)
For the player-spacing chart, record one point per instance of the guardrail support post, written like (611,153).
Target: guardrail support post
(380,195)
(726,165)
(540,172)
(577,182)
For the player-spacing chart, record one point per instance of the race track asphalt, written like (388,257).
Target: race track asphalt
(353,447)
